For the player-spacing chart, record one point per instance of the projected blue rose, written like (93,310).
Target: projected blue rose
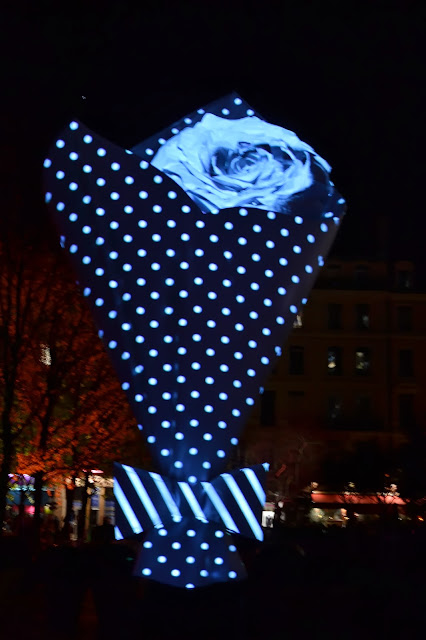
(224,163)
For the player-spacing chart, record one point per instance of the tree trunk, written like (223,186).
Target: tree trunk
(69,498)
(38,493)
(4,480)
(82,514)
(5,470)
(21,512)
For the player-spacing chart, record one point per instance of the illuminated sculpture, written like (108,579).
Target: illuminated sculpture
(196,249)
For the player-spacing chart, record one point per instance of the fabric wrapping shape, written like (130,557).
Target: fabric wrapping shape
(193,306)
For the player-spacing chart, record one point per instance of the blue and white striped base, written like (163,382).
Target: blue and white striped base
(183,521)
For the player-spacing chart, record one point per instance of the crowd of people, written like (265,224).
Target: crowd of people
(53,531)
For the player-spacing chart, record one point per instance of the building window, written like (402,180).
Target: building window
(45,356)
(267,408)
(298,321)
(361,274)
(296,394)
(405,363)
(404,318)
(334,316)
(334,410)
(363,410)
(362,361)
(297,361)
(334,361)
(333,272)
(406,411)
(362,316)
(404,279)
(296,404)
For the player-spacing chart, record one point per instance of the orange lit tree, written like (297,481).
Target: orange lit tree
(28,290)
(89,427)
(62,410)
(83,420)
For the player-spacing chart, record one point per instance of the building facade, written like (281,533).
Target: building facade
(352,370)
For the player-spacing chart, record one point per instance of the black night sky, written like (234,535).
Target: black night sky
(347,77)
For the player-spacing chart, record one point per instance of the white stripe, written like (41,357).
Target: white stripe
(220,507)
(143,495)
(257,487)
(167,496)
(192,501)
(126,508)
(243,504)
(117,533)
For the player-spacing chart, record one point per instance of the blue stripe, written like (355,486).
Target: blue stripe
(167,496)
(192,501)
(143,495)
(220,507)
(126,508)
(256,485)
(244,505)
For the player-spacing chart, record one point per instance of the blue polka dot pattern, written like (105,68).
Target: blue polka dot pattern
(192,307)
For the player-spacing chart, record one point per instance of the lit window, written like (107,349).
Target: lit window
(362,361)
(45,356)
(298,321)
(334,361)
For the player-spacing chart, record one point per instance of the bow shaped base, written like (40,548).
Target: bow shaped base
(188,526)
